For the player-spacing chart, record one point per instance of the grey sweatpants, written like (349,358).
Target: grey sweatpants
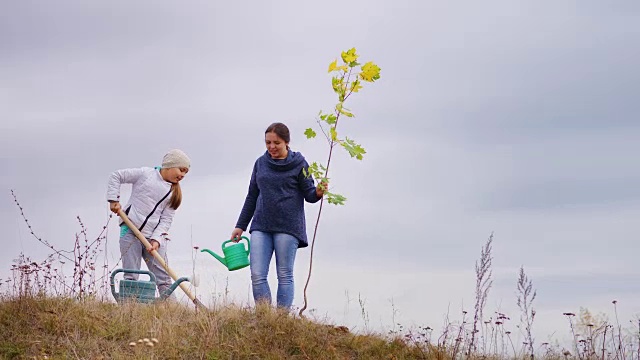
(132,251)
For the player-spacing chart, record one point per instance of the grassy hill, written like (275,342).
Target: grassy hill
(63,328)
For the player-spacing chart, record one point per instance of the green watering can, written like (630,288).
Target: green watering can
(236,256)
(139,290)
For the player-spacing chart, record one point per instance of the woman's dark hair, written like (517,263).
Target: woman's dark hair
(281,130)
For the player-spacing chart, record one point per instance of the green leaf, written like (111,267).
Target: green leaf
(355,150)
(314,171)
(335,199)
(334,133)
(338,85)
(310,133)
(331,119)
(342,110)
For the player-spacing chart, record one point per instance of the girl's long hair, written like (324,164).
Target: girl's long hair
(176,196)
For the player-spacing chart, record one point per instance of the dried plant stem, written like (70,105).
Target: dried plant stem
(526,295)
(483,285)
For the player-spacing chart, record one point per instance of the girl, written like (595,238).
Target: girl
(155,196)
(275,202)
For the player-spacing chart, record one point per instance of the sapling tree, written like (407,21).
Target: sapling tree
(348,77)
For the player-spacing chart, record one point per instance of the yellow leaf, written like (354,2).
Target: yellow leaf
(337,84)
(349,55)
(333,65)
(355,86)
(370,72)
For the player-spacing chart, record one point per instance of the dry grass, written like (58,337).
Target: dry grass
(62,328)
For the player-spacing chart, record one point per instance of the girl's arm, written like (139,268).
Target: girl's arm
(164,224)
(249,206)
(119,177)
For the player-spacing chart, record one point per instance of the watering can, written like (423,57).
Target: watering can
(140,290)
(236,256)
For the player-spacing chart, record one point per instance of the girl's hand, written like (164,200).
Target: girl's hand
(236,234)
(114,206)
(155,245)
(321,188)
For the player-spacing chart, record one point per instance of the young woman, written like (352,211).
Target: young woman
(155,196)
(275,207)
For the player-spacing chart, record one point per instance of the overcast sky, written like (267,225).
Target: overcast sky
(518,118)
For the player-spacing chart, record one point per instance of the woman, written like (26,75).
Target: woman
(275,202)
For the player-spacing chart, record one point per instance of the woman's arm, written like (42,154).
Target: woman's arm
(249,206)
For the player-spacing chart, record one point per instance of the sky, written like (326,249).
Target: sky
(519,119)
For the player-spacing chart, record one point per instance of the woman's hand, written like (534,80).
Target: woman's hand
(322,188)
(155,245)
(236,234)
(114,206)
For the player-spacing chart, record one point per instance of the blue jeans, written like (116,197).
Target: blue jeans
(263,245)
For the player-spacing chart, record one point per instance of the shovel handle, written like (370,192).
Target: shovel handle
(159,258)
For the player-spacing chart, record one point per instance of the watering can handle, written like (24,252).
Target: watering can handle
(152,277)
(243,237)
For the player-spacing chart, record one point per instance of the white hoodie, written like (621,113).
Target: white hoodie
(150,196)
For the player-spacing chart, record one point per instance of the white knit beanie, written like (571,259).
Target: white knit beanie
(176,158)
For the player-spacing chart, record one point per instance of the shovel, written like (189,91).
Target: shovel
(157,256)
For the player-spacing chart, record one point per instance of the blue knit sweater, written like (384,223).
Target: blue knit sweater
(276,195)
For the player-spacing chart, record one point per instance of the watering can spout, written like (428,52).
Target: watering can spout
(166,293)
(220,258)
